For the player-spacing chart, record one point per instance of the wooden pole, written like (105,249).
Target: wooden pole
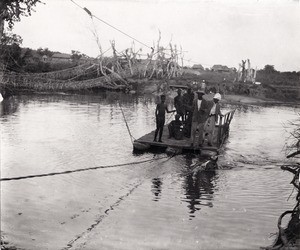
(220,135)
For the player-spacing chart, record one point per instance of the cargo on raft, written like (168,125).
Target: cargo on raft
(173,146)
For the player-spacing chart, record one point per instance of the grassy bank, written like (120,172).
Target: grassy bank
(281,87)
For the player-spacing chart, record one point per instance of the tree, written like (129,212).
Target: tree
(12,10)
(10,52)
(11,55)
(269,69)
(10,38)
(76,55)
(45,51)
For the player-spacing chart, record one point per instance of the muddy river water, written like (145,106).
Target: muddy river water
(151,205)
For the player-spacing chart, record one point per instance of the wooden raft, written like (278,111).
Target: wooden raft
(184,145)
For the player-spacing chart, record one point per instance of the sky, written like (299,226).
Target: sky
(209,31)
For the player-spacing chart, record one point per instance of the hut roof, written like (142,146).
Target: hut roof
(61,55)
(219,67)
(197,66)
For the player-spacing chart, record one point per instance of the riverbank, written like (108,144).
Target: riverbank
(151,89)
(156,87)
(247,100)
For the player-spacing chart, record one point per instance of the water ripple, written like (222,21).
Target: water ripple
(157,205)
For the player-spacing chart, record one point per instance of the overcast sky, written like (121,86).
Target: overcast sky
(210,31)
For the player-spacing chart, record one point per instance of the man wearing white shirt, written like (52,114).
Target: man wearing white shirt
(211,121)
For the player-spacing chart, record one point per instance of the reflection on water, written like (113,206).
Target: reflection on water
(199,188)
(9,106)
(146,206)
(156,188)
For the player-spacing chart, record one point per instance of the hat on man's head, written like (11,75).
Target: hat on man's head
(217,96)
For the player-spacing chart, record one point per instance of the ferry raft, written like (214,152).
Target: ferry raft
(171,145)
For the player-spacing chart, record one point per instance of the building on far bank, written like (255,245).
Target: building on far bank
(60,58)
(220,68)
(198,67)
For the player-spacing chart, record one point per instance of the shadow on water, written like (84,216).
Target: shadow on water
(156,188)
(9,106)
(198,187)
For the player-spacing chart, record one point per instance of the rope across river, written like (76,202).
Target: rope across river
(81,169)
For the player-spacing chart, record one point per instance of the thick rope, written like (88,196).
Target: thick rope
(128,129)
(101,20)
(80,170)
(124,33)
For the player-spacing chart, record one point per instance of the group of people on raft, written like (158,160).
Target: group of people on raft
(193,113)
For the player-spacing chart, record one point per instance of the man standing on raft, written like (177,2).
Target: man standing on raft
(201,110)
(160,112)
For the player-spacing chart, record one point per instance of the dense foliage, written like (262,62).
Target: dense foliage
(26,60)
(10,51)
(280,85)
(12,10)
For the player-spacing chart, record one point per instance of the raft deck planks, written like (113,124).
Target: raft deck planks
(221,133)
(184,144)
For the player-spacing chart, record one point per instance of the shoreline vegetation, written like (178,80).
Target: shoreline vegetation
(149,87)
(232,92)
(42,70)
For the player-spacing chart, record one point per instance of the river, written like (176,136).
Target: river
(151,205)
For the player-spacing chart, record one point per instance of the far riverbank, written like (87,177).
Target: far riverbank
(151,89)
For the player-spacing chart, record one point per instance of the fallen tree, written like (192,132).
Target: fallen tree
(108,72)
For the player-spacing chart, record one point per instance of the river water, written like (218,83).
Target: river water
(151,205)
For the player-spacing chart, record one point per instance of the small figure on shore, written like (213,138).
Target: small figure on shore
(160,112)
(176,128)
(211,121)
(200,115)
(178,103)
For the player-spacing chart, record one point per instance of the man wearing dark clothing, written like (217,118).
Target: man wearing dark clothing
(201,109)
(178,103)
(176,128)
(160,112)
(188,99)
